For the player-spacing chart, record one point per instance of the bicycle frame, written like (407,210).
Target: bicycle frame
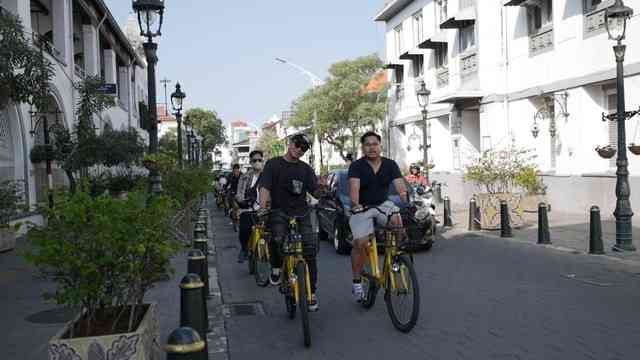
(391,251)
(294,256)
(257,238)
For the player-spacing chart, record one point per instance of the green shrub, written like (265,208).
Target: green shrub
(97,256)
(498,171)
(11,200)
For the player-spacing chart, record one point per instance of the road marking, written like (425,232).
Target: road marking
(574,277)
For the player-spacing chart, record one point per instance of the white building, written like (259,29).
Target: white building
(79,37)
(494,66)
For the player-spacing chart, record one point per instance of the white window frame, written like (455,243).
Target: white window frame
(542,9)
(467,38)
(397,31)
(442,56)
(441,12)
(418,27)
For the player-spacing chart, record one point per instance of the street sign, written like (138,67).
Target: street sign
(108,89)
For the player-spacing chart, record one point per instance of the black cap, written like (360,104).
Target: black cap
(301,137)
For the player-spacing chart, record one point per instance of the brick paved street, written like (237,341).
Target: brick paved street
(482,298)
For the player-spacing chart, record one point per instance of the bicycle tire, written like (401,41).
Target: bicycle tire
(262,267)
(251,262)
(412,278)
(303,303)
(370,288)
(291,306)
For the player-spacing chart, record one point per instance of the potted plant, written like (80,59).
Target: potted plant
(11,201)
(606,152)
(495,175)
(40,153)
(534,189)
(634,148)
(104,264)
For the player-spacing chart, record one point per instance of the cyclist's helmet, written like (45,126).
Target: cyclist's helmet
(414,166)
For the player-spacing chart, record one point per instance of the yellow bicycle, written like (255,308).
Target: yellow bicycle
(296,284)
(398,278)
(259,257)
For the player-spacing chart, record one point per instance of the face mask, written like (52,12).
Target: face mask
(257,165)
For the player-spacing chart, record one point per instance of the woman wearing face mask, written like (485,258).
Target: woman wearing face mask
(247,197)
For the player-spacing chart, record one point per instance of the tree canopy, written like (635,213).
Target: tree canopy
(208,125)
(345,107)
(269,143)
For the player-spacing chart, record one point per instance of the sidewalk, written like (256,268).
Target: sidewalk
(29,322)
(568,231)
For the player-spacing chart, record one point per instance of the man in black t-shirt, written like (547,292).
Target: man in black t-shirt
(369,180)
(284,184)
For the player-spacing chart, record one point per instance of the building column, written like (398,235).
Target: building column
(123,89)
(91,60)
(62,31)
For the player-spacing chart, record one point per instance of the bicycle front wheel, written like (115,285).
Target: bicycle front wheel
(262,268)
(303,302)
(403,301)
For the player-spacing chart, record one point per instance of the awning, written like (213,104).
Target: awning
(434,42)
(413,56)
(392,66)
(432,114)
(391,9)
(459,96)
(462,19)
(514,2)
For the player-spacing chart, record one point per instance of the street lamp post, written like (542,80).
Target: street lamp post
(177,98)
(150,16)
(423,100)
(616,24)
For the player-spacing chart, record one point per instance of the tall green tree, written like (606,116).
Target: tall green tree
(208,125)
(345,108)
(270,144)
(168,143)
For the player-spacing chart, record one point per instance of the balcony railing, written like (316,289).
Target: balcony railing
(442,76)
(80,71)
(466,4)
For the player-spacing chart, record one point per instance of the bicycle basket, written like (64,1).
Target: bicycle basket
(310,245)
(417,232)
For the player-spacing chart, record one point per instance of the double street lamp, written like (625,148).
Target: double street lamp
(177,99)
(616,25)
(150,17)
(423,100)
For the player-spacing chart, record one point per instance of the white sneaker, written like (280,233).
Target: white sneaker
(313,304)
(357,292)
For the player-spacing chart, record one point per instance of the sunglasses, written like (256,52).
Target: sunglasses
(301,145)
(256,160)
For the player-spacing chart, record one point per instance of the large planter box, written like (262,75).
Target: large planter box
(7,239)
(142,344)
(489,206)
(530,202)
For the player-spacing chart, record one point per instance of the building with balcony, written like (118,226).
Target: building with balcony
(80,38)
(537,73)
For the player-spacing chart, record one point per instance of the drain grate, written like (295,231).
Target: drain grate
(53,316)
(243,309)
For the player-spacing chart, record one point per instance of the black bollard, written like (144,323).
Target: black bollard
(447,212)
(472,214)
(505,226)
(595,232)
(201,245)
(203,224)
(543,225)
(192,306)
(197,264)
(184,343)
(199,230)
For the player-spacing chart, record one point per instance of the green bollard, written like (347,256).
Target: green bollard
(543,225)
(595,232)
(184,343)
(197,264)
(447,212)
(192,306)
(505,226)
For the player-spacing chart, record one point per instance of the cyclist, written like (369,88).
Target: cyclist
(414,177)
(284,185)
(370,178)
(247,198)
(232,187)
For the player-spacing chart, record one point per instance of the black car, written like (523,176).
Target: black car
(333,220)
